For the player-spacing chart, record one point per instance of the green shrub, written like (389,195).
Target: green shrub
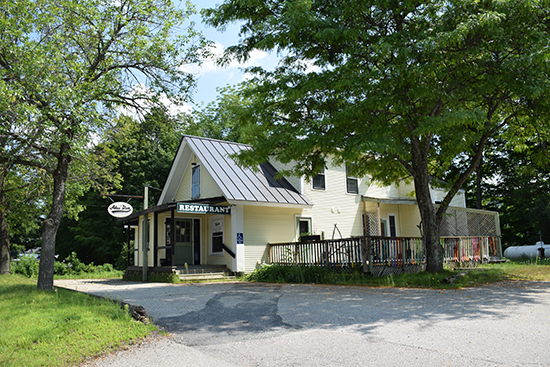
(16,247)
(90,268)
(74,265)
(122,261)
(27,266)
(292,274)
(105,267)
(59,268)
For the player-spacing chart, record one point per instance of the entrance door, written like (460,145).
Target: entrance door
(184,242)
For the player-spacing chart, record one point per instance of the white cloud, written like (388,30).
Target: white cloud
(141,89)
(210,66)
(310,67)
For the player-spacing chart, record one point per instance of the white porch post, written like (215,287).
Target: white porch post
(137,243)
(145,246)
(237,237)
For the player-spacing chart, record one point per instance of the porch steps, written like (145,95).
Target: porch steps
(205,277)
(195,273)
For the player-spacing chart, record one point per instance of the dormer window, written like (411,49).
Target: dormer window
(319,181)
(352,184)
(195,182)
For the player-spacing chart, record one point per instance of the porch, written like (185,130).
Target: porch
(181,238)
(383,255)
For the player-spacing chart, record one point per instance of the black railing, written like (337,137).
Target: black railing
(321,253)
(228,250)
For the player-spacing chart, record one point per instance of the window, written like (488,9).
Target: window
(216,235)
(196,182)
(383,226)
(352,184)
(319,181)
(392,226)
(388,226)
(303,227)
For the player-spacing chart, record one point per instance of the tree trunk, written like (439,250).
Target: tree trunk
(4,244)
(479,192)
(51,223)
(430,228)
(430,220)
(4,232)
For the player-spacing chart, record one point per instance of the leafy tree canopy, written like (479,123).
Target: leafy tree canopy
(144,150)
(220,119)
(399,88)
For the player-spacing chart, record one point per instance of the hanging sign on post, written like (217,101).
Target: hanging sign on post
(120,209)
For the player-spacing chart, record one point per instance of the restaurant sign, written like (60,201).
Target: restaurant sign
(203,208)
(120,209)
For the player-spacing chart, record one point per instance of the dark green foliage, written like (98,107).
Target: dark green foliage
(59,268)
(144,150)
(292,274)
(73,264)
(155,277)
(521,194)
(320,275)
(27,266)
(94,235)
(515,181)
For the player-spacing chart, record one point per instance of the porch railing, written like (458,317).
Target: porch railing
(387,251)
(317,253)
(470,249)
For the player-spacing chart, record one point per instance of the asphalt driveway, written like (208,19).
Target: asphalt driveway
(247,324)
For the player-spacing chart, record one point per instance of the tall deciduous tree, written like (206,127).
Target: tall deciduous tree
(69,64)
(399,88)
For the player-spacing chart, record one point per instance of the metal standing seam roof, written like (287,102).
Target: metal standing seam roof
(241,183)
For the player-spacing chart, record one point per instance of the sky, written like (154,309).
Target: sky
(208,75)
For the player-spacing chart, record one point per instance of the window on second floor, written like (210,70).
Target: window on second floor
(319,181)
(352,183)
(196,182)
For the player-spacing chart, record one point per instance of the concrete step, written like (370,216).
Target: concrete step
(205,276)
(202,269)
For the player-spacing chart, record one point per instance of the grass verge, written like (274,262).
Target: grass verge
(60,328)
(114,274)
(473,277)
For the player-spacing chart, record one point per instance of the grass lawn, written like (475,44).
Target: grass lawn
(537,270)
(115,274)
(60,328)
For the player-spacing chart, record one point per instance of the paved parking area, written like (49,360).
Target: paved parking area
(248,324)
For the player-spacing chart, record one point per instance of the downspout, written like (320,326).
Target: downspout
(379,221)
(368,241)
